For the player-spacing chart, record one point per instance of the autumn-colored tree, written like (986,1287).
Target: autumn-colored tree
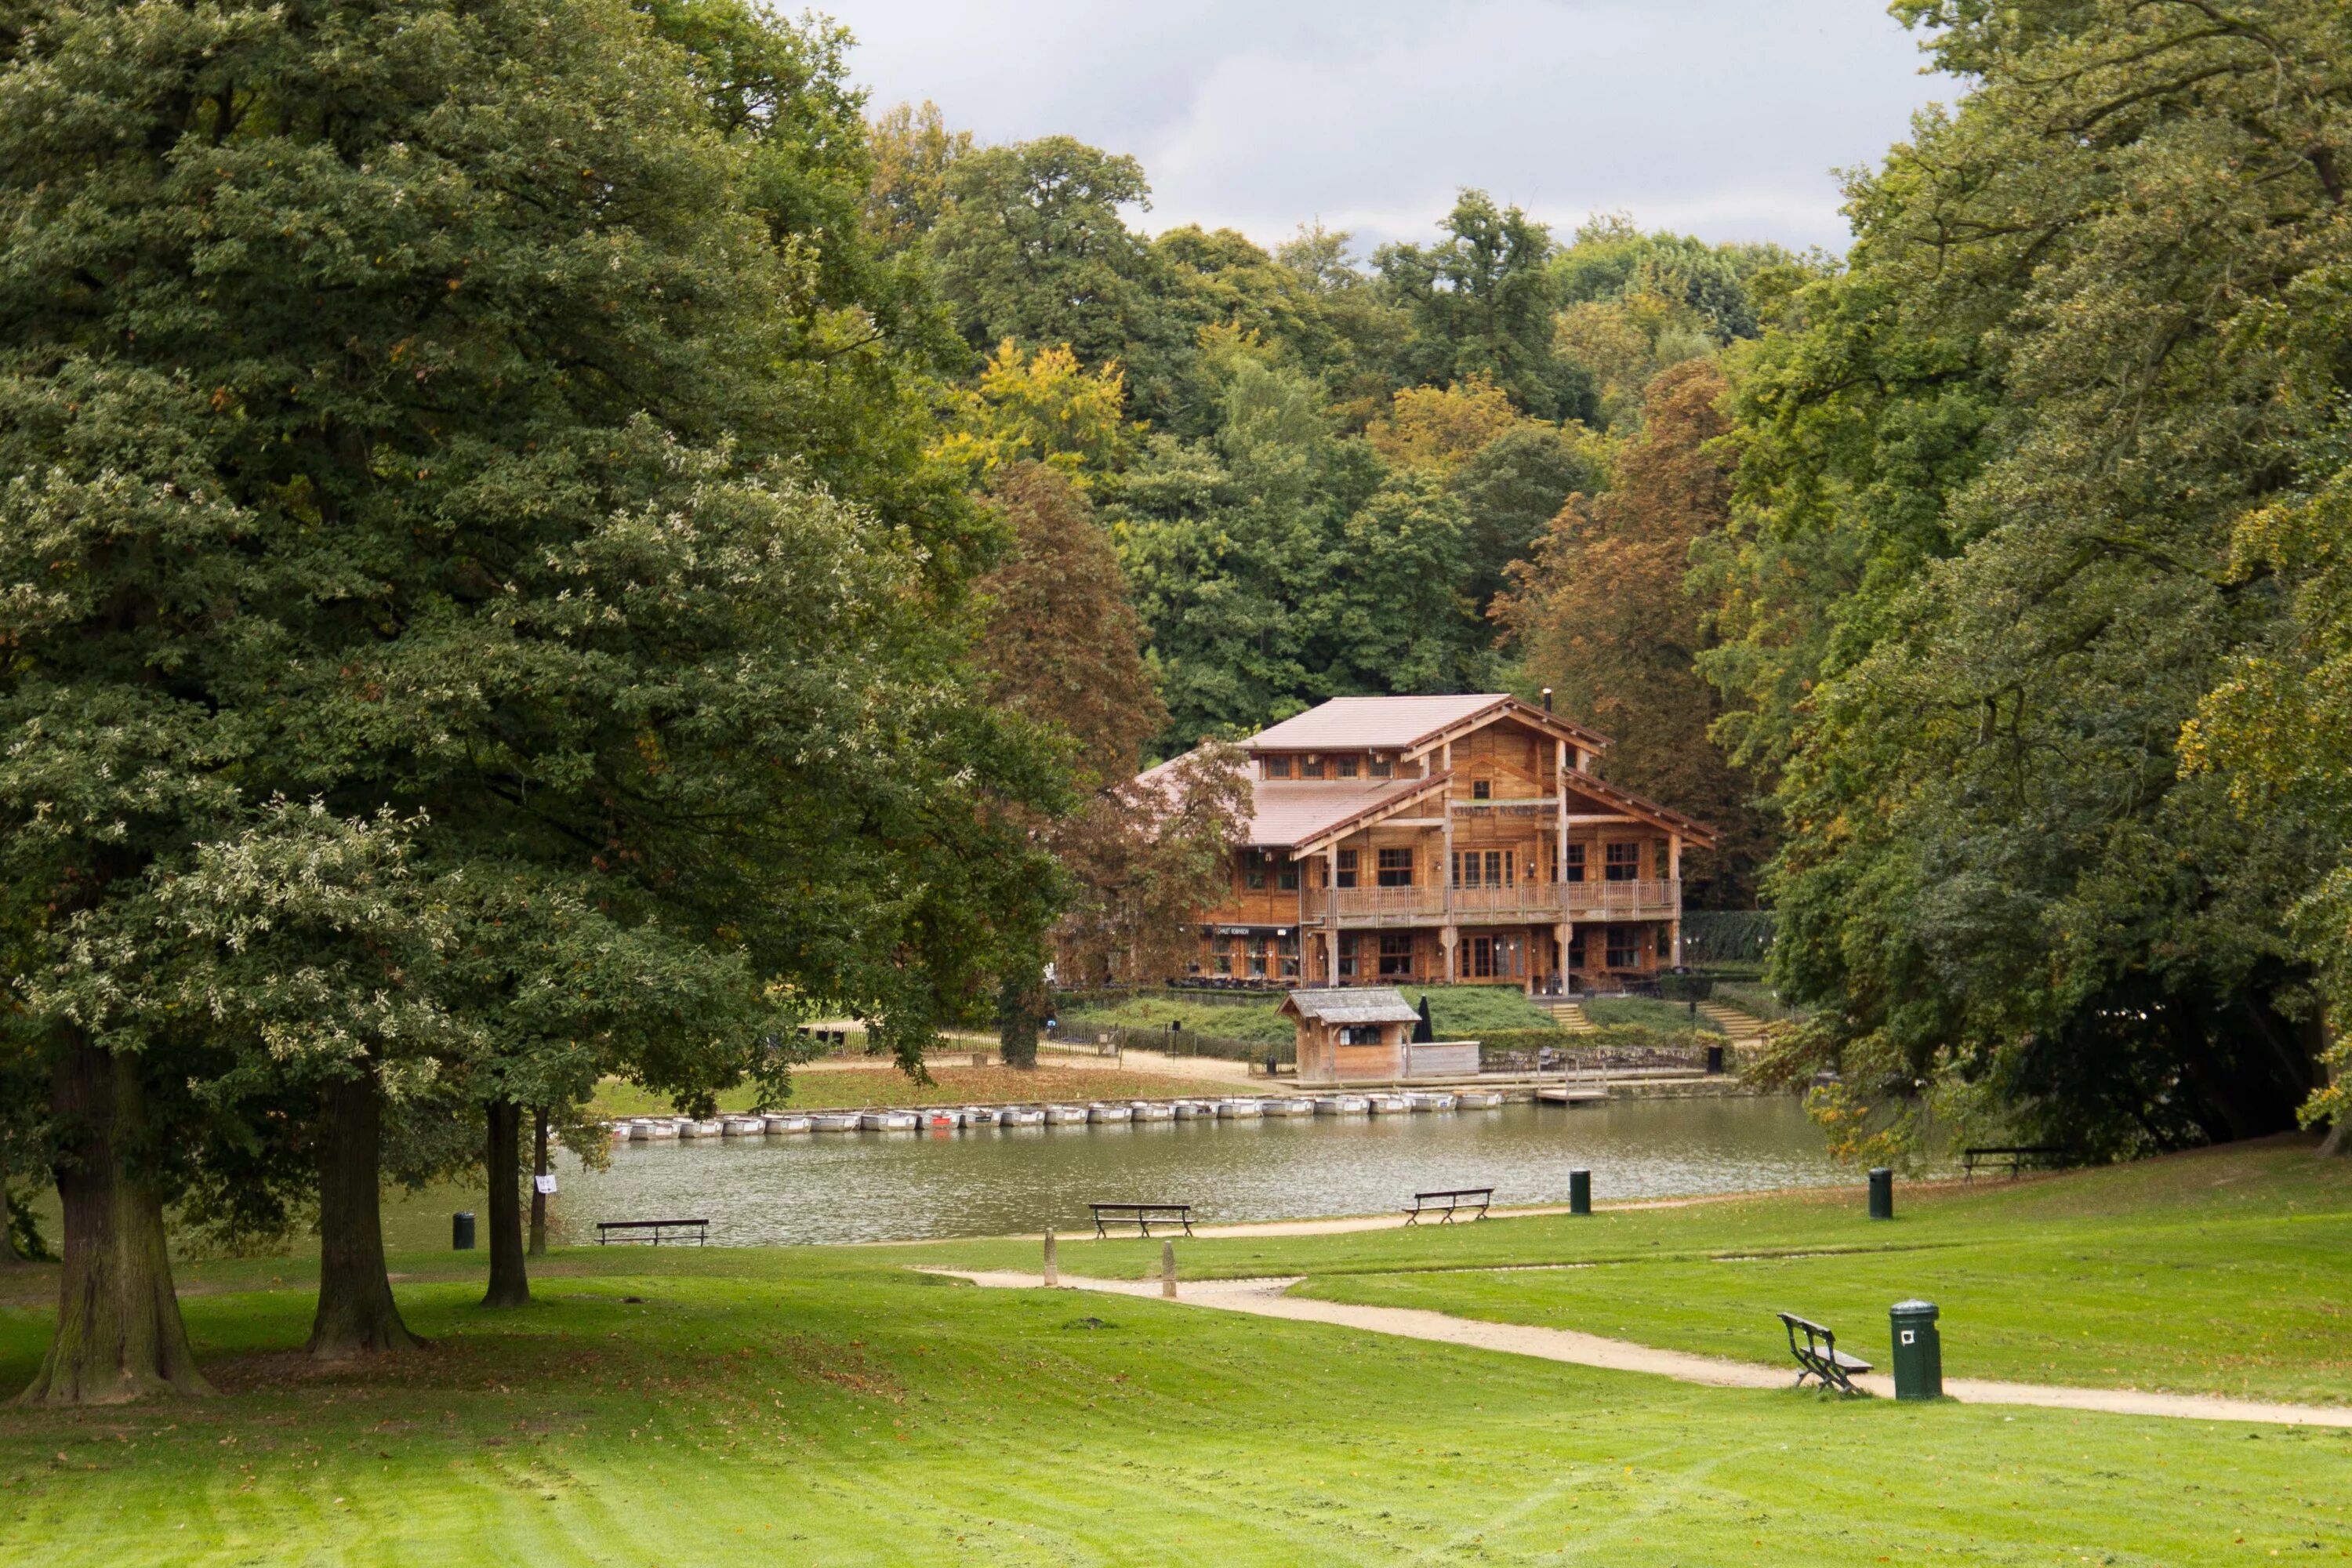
(1600,615)
(1043,407)
(1442,427)
(912,151)
(1145,858)
(1062,644)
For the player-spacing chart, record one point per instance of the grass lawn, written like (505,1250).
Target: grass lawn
(813,1405)
(1458,1011)
(825,1089)
(2227,1271)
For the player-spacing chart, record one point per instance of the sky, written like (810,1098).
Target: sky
(1726,119)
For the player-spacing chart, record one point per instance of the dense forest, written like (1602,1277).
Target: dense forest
(1984,583)
(546,543)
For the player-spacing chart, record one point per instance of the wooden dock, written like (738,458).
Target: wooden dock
(1575,1088)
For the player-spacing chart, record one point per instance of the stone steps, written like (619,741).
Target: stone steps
(1569,1017)
(1743,1027)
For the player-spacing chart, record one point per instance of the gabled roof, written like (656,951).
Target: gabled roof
(1386,804)
(1406,724)
(1357,1005)
(1649,811)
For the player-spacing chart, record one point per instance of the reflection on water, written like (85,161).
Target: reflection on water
(878,1186)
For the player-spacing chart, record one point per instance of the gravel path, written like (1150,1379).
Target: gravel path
(1270,1299)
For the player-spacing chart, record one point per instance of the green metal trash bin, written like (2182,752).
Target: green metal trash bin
(1882,1193)
(1918,1351)
(1580,1191)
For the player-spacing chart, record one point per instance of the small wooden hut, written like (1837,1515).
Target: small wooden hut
(1356,1033)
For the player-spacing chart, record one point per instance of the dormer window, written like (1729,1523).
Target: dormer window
(1277,767)
(1312,768)
(1343,767)
(1383,768)
(1482,789)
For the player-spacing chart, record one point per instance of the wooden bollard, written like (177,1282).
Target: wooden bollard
(1168,1269)
(1053,1268)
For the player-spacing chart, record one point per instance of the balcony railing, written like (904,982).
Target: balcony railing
(1530,902)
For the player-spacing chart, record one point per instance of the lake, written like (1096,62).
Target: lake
(881,1186)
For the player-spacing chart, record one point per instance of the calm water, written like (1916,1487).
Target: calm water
(878,1186)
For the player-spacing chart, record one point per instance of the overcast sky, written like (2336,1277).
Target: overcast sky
(1721,117)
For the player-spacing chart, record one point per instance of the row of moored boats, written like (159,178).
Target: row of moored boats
(947,1117)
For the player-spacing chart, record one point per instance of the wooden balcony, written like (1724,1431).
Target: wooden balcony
(1531,903)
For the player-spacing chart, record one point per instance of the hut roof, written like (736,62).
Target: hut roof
(1352,1005)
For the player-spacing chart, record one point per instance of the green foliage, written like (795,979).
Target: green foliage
(1988,489)
(370,457)
(1480,304)
(1727,936)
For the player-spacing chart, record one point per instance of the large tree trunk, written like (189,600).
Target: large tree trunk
(537,1198)
(118,1335)
(1020,1003)
(9,1258)
(356,1311)
(509,1283)
(2340,1138)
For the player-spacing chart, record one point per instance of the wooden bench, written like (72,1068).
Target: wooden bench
(1818,1358)
(654,1227)
(2049,1157)
(1141,1215)
(1449,1203)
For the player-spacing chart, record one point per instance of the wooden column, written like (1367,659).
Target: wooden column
(1331,911)
(1674,880)
(1447,936)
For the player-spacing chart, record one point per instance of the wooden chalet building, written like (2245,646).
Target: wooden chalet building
(1430,839)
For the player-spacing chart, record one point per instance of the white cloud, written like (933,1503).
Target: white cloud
(1725,117)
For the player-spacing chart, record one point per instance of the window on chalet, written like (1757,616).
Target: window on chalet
(1286,877)
(1220,954)
(1347,868)
(1348,954)
(1360,1033)
(1382,768)
(1482,789)
(1625,863)
(1277,767)
(1343,767)
(1658,860)
(1396,952)
(1485,868)
(1575,872)
(1287,952)
(1312,768)
(1623,948)
(1254,873)
(1396,868)
(1576,953)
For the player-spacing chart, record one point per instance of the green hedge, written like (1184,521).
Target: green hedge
(1727,936)
(1619,1038)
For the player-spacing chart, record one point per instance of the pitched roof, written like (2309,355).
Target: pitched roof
(1357,1004)
(1625,800)
(1369,723)
(1403,723)
(1285,815)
